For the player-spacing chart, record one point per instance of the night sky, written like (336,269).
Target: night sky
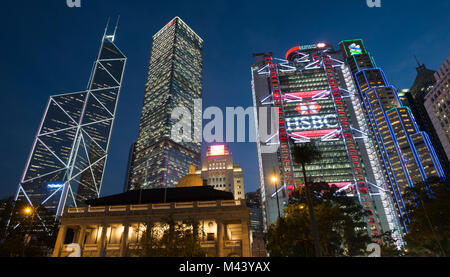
(48,48)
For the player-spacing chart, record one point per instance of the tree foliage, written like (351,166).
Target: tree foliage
(23,234)
(305,153)
(170,238)
(340,219)
(388,246)
(429,211)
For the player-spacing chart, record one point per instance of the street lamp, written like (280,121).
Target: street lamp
(275,182)
(28,210)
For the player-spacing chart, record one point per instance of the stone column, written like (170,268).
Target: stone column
(219,241)
(81,236)
(245,245)
(60,241)
(124,242)
(101,246)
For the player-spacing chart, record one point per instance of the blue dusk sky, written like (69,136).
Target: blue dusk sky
(48,48)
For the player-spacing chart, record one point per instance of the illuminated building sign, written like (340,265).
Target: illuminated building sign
(352,47)
(55,185)
(217,150)
(312,122)
(305,47)
(355,49)
(308,108)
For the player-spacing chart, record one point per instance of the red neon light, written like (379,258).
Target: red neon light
(313,134)
(305,94)
(217,150)
(293,49)
(340,184)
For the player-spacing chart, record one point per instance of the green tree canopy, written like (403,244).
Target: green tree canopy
(340,220)
(429,211)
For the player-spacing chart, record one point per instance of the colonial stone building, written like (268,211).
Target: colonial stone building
(111,226)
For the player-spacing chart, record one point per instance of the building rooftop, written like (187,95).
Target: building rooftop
(169,195)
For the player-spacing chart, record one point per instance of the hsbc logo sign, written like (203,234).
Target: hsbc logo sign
(313,122)
(309,119)
(308,108)
(73,3)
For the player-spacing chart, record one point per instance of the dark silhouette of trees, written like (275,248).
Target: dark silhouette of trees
(303,154)
(170,238)
(429,210)
(340,220)
(22,231)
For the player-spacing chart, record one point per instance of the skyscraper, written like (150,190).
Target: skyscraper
(317,102)
(253,201)
(423,84)
(406,153)
(437,105)
(174,80)
(130,165)
(402,94)
(69,153)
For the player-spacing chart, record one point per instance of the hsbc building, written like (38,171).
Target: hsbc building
(318,102)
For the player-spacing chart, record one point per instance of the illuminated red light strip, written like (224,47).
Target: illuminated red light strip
(290,51)
(284,145)
(350,143)
(304,94)
(313,134)
(338,184)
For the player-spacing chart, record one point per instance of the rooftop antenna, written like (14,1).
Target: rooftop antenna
(115,28)
(417,61)
(113,36)
(420,67)
(106,28)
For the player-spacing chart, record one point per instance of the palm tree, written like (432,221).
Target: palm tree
(306,153)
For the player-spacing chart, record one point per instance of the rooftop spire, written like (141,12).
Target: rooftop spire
(113,36)
(106,27)
(419,67)
(115,28)
(417,61)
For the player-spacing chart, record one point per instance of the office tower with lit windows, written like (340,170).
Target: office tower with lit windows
(174,80)
(423,84)
(253,200)
(219,171)
(437,105)
(405,152)
(129,171)
(402,94)
(315,95)
(69,153)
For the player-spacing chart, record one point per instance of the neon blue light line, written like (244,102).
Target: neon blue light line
(393,183)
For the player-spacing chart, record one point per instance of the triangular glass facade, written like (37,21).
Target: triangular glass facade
(69,154)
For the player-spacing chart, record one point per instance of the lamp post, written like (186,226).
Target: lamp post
(28,211)
(275,182)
